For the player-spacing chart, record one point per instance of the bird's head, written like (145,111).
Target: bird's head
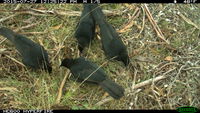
(80,48)
(125,59)
(67,62)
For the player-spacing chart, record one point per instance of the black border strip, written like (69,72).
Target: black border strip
(100,111)
(98,1)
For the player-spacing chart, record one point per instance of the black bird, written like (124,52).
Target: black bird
(85,29)
(33,54)
(111,42)
(97,13)
(83,69)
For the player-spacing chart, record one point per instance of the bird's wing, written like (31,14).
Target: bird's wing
(113,31)
(88,72)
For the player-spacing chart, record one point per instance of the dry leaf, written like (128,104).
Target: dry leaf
(130,6)
(169,58)
(56,27)
(98,37)
(41,8)
(2,50)
(40,41)
(189,21)
(154,51)
(126,28)
(105,95)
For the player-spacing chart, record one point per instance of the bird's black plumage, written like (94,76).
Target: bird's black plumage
(97,13)
(33,54)
(83,69)
(111,42)
(85,29)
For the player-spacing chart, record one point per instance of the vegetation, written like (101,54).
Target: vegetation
(48,24)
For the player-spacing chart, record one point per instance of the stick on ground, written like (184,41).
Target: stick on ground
(144,83)
(154,24)
(60,89)
(13,59)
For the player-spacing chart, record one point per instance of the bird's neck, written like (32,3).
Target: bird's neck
(8,34)
(70,63)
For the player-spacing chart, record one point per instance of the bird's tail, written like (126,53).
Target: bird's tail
(9,34)
(97,13)
(113,89)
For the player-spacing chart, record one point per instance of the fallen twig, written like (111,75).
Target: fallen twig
(191,68)
(143,23)
(12,89)
(103,101)
(144,83)
(39,12)
(30,33)
(167,64)
(154,24)
(156,43)
(60,46)
(148,82)
(25,27)
(2,50)
(8,17)
(18,6)
(172,83)
(61,87)
(3,40)
(130,22)
(15,60)
(188,21)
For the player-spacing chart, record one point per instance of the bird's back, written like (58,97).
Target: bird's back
(110,42)
(83,68)
(85,29)
(86,17)
(33,54)
(9,34)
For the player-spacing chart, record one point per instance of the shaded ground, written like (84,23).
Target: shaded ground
(178,61)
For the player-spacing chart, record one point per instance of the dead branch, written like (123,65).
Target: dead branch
(8,17)
(32,33)
(154,24)
(13,59)
(130,22)
(26,27)
(188,21)
(190,68)
(167,64)
(2,40)
(12,89)
(39,12)
(60,89)
(142,84)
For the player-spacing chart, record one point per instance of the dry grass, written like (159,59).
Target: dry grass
(178,62)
